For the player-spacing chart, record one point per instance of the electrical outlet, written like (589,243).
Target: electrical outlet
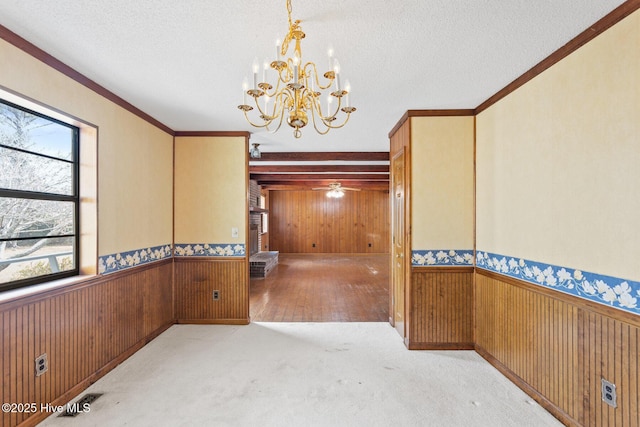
(313,245)
(42,364)
(609,393)
(216,295)
(234,232)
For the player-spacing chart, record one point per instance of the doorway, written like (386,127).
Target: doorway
(333,253)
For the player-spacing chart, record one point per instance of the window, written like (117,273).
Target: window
(264,217)
(39,197)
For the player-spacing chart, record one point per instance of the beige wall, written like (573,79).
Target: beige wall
(558,161)
(135,158)
(210,189)
(442,182)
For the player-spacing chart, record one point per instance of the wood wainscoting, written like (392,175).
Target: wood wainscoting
(440,301)
(557,347)
(86,329)
(197,278)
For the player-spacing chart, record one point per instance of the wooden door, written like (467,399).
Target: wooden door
(397,305)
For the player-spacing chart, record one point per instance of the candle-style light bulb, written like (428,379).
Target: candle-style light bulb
(255,67)
(296,62)
(347,88)
(245,88)
(336,70)
(330,55)
(278,44)
(265,67)
(266,104)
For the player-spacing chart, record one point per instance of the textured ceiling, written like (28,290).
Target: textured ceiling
(183,62)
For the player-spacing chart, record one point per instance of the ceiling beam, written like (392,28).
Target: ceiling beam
(319,177)
(318,168)
(308,185)
(324,156)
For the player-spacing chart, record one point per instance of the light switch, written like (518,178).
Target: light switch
(234,232)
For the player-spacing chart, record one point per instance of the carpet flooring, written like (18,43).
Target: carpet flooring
(295,374)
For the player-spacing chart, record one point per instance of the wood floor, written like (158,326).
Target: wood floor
(323,288)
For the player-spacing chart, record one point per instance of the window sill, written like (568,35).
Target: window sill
(28,291)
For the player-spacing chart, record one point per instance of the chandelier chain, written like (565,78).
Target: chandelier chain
(289,10)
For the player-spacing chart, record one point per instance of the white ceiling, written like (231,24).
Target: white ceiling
(183,62)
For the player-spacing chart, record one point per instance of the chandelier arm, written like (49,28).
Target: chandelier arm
(286,96)
(314,75)
(268,118)
(264,125)
(272,131)
(326,119)
(316,107)
(315,125)
(285,74)
(279,124)
(255,100)
(281,100)
(342,125)
(328,123)
(267,123)
(276,89)
(281,115)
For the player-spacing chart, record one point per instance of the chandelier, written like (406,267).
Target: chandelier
(299,93)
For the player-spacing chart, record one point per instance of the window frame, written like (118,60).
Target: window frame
(74,198)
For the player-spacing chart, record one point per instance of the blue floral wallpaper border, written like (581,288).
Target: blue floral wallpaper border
(615,292)
(209,249)
(123,260)
(442,257)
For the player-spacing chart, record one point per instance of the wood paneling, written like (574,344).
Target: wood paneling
(195,281)
(609,349)
(85,329)
(300,219)
(441,308)
(558,348)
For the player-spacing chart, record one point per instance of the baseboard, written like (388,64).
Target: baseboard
(213,321)
(439,345)
(561,415)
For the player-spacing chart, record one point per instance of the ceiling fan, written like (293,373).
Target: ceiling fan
(336,190)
